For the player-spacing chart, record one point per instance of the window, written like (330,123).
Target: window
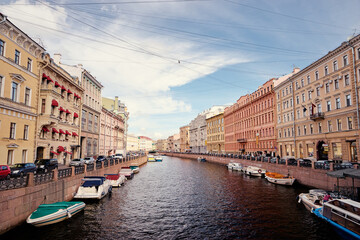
(319,127)
(298,114)
(311,129)
(26,132)
(88,147)
(29,64)
(308,79)
(358,53)
(12,130)
(1,83)
(336,84)
(347,80)
(318,91)
(303,97)
(27,96)
(96,123)
(279,133)
(337,153)
(90,122)
(319,108)
(43,103)
(345,60)
(302,82)
(24,156)
(83,119)
(337,103)
(279,107)
(14,89)
(328,105)
(297,100)
(304,129)
(348,100)
(335,64)
(296,85)
(17,57)
(2,48)
(95,146)
(299,131)
(329,126)
(339,126)
(316,75)
(326,70)
(10,158)
(291,102)
(309,94)
(350,123)
(327,87)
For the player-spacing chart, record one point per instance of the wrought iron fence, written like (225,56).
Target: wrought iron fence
(14,183)
(116,161)
(111,162)
(106,163)
(98,165)
(63,173)
(41,178)
(90,167)
(79,170)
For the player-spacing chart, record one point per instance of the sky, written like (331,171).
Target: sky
(168,60)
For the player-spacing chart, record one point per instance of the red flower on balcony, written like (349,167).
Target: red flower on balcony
(61,149)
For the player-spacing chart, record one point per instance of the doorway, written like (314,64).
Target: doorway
(322,151)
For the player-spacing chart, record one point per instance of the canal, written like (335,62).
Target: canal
(186,199)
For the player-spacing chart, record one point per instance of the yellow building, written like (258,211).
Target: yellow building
(59,108)
(19,85)
(184,138)
(215,133)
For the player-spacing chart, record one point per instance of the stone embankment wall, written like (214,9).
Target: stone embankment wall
(315,178)
(17,204)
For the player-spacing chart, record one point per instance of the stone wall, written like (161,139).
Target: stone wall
(17,204)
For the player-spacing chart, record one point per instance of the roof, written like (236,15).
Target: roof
(343,173)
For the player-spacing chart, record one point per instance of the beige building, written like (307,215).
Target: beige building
(145,144)
(161,145)
(184,139)
(215,133)
(19,87)
(91,107)
(326,106)
(58,126)
(132,144)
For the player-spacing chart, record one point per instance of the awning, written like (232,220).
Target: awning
(61,131)
(54,130)
(63,88)
(76,115)
(67,132)
(67,111)
(74,134)
(57,84)
(61,109)
(342,173)
(75,95)
(49,79)
(69,91)
(68,152)
(44,76)
(54,152)
(45,129)
(60,149)
(54,103)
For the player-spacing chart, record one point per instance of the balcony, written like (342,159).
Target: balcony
(242,140)
(317,116)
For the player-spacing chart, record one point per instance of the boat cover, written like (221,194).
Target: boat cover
(47,209)
(342,173)
(92,183)
(112,176)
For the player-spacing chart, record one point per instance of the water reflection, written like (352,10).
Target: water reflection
(186,199)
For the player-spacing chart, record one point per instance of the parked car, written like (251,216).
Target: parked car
(5,172)
(21,169)
(304,162)
(273,160)
(89,160)
(322,164)
(46,165)
(77,162)
(119,155)
(100,158)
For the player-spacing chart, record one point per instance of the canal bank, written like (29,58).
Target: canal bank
(311,177)
(17,204)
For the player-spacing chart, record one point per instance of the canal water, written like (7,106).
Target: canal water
(187,199)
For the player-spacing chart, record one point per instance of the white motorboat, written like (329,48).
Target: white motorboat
(280,179)
(116,180)
(158,158)
(94,187)
(313,199)
(255,171)
(47,214)
(127,172)
(235,166)
(151,158)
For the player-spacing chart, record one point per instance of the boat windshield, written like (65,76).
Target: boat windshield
(92,183)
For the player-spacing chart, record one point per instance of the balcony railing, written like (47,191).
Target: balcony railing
(242,140)
(317,116)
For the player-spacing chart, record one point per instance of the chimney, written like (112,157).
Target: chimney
(57,58)
(116,105)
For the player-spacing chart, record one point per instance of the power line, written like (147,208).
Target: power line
(113,3)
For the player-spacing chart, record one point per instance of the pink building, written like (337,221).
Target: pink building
(111,132)
(249,123)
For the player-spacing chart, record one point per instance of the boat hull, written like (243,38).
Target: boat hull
(308,203)
(56,217)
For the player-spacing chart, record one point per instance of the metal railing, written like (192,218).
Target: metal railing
(111,162)
(79,170)
(63,173)
(43,177)
(90,167)
(98,165)
(14,183)
(106,163)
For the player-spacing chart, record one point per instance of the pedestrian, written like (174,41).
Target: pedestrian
(327,197)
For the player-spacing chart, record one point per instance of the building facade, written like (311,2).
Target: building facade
(161,145)
(91,107)
(132,143)
(19,86)
(111,133)
(184,139)
(326,107)
(215,133)
(145,144)
(249,123)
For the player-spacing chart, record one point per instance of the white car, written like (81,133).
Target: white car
(89,160)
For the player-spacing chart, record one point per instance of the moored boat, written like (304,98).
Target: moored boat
(201,159)
(116,180)
(235,166)
(94,187)
(127,172)
(151,158)
(47,214)
(135,169)
(344,215)
(280,179)
(158,158)
(255,171)
(313,199)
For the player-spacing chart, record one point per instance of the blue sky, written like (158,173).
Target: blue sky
(169,60)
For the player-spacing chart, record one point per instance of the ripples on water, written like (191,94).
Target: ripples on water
(186,199)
